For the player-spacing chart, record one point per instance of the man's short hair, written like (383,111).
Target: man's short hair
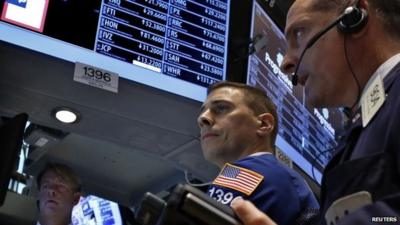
(64,171)
(255,98)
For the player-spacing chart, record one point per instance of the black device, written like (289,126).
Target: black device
(11,134)
(351,20)
(150,209)
(187,206)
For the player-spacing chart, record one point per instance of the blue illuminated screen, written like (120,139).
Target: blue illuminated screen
(306,135)
(179,46)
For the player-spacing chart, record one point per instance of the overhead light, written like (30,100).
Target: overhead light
(66,115)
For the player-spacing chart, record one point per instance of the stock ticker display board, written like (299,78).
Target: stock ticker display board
(180,38)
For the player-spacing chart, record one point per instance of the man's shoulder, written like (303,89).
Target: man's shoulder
(257,160)
(277,177)
(266,164)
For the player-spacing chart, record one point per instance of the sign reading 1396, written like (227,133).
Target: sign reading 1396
(96,77)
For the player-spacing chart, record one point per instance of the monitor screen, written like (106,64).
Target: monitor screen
(92,210)
(179,46)
(305,133)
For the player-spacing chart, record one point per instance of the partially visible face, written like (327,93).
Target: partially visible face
(323,71)
(56,196)
(227,126)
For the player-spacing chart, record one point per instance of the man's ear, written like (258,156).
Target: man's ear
(363,5)
(266,124)
(77,197)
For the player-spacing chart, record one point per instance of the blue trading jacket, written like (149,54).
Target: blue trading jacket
(273,187)
(368,160)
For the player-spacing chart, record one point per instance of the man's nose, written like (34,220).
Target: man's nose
(205,119)
(288,64)
(51,191)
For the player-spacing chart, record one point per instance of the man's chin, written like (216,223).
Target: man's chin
(313,98)
(208,153)
(208,157)
(320,103)
(314,101)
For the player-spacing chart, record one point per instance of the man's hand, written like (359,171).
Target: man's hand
(249,214)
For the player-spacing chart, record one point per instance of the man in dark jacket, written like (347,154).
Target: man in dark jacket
(347,54)
(238,125)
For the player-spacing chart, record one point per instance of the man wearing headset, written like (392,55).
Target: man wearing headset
(346,54)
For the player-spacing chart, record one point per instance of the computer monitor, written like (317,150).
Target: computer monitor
(11,135)
(179,46)
(306,135)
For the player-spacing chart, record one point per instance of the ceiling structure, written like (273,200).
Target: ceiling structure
(139,139)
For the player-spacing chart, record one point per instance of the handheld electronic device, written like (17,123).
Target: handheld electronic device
(186,205)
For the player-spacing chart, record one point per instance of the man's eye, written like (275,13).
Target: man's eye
(62,188)
(299,35)
(221,108)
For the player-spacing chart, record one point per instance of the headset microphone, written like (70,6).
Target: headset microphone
(351,20)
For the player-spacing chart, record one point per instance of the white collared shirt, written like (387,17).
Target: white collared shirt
(259,153)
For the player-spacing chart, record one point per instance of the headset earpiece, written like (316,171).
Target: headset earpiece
(354,19)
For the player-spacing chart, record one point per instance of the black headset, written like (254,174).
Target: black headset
(353,19)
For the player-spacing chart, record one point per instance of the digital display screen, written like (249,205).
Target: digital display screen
(184,41)
(180,38)
(304,133)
